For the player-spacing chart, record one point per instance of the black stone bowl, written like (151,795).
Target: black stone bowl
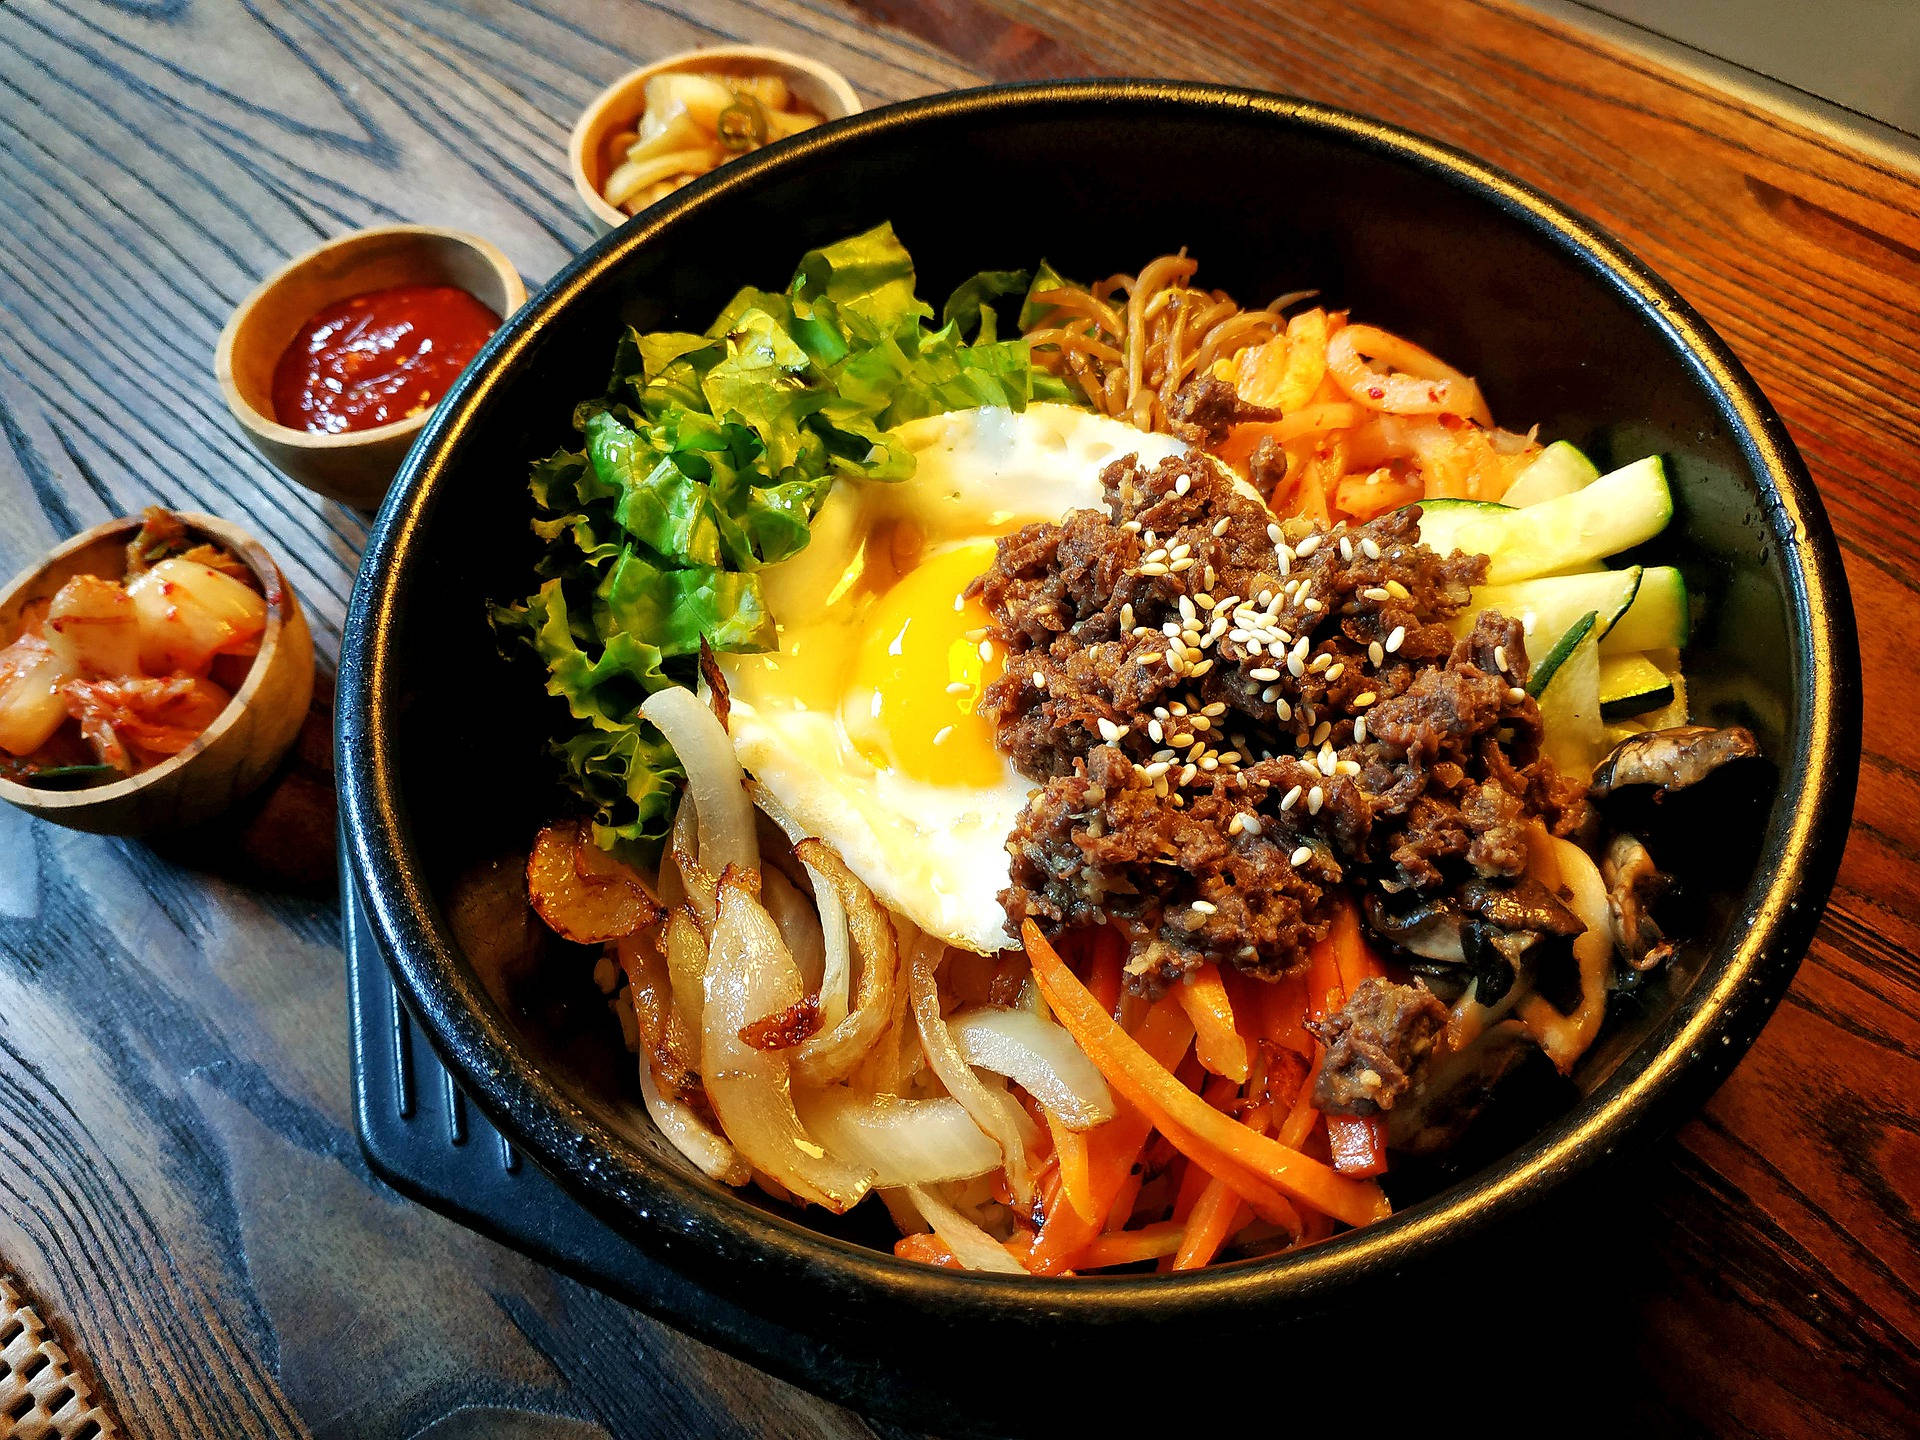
(442,757)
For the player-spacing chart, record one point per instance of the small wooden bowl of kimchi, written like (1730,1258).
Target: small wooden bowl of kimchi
(153,670)
(666,124)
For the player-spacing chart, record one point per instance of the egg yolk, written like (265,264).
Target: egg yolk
(921,665)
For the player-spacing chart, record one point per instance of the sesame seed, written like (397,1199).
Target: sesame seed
(1396,639)
(1370,548)
(986,650)
(1398,591)
(1348,767)
(1252,824)
(1183,484)
(1187,773)
(1159,552)
(1254,647)
(1346,549)
(1307,546)
(1182,740)
(1158,768)
(1220,525)
(1198,749)
(958,687)
(1039,679)
(1201,669)
(940,735)
(1313,605)
(1291,799)
(1265,674)
(1109,732)
(1334,672)
(1186,610)
(1373,592)
(1179,802)
(1200,721)
(1327,761)
(1283,559)
(1178,708)
(1132,527)
(1239,636)
(1516,694)
(1152,568)
(1316,797)
(1126,617)
(1212,579)
(1500,657)
(1215,710)
(1320,662)
(1296,666)
(1360,731)
(1273,534)
(1301,855)
(1180,567)
(1364,699)
(1236,824)
(979,632)
(1153,659)
(1270,694)
(1209,762)
(1154,732)
(1182,550)
(1204,907)
(1285,710)
(1322,731)
(1376,654)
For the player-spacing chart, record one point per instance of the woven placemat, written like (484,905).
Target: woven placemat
(42,1397)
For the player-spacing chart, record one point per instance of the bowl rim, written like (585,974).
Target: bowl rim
(591,199)
(678,1218)
(265,426)
(274,589)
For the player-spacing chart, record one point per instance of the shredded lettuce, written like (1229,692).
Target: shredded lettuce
(705,460)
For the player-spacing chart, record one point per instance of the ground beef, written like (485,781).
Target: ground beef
(1375,1043)
(1229,718)
(1205,409)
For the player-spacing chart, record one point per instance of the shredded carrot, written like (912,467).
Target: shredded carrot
(1218,1093)
(1204,997)
(1076,1179)
(1104,967)
(1372,494)
(1131,1247)
(1255,1166)
(1121,1211)
(1112,1151)
(928,1250)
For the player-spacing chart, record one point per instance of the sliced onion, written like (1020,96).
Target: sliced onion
(971,1245)
(686,956)
(834,1053)
(688,1133)
(1424,385)
(750,976)
(904,1142)
(666,1048)
(799,926)
(714,779)
(1040,1057)
(990,1109)
(836,975)
(1565,1038)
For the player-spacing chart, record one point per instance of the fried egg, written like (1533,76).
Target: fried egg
(863,723)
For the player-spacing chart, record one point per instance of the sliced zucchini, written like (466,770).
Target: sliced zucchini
(1569,696)
(1547,608)
(1657,619)
(1544,672)
(1560,470)
(1631,684)
(1614,513)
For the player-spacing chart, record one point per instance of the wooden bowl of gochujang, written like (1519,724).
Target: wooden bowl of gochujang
(333,364)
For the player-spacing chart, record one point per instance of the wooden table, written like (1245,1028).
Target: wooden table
(179,1178)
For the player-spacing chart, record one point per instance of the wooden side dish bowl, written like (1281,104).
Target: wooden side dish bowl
(616,108)
(354,467)
(233,754)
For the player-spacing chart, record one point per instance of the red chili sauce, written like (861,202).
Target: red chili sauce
(379,357)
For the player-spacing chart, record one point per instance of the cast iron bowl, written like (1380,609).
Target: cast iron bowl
(442,761)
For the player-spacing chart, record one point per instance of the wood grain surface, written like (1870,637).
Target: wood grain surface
(179,1179)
